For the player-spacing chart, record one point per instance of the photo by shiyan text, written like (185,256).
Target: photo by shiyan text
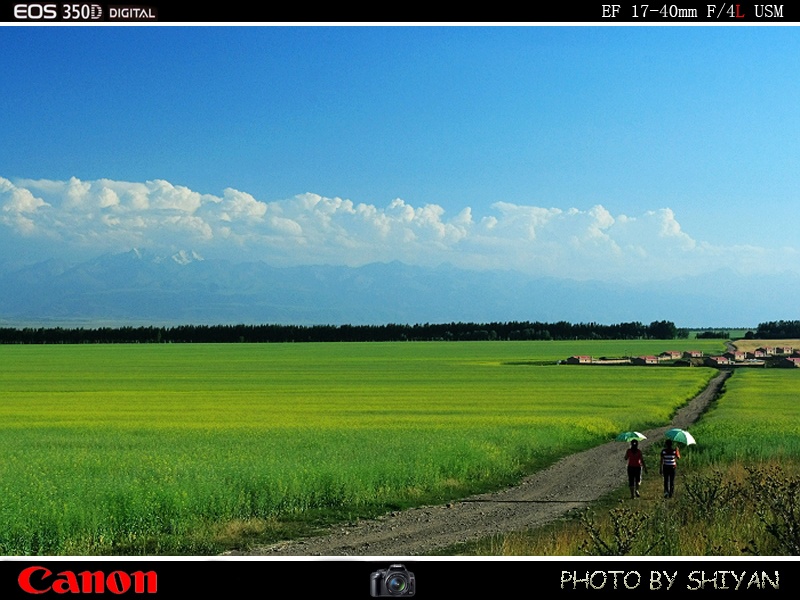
(670,580)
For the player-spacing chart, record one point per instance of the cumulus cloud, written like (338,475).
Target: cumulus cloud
(106,215)
(18,207)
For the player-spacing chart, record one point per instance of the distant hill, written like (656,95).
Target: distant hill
(139,287)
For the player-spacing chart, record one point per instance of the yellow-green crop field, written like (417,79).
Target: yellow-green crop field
(758,419)
(158,449)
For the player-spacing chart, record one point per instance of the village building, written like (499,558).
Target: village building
(717,361)
(645,360)
(579,360)
(782,356)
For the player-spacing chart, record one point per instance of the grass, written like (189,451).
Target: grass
(759,419)
(191,449)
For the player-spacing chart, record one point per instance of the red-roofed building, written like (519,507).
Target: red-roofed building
(579,360)
(645,360)
(716,361)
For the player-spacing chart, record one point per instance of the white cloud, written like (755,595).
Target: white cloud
(21,201)
(77,192)
(108,198)
(107,215)
(287,226)
(18,206)
(238,204)
(166,196)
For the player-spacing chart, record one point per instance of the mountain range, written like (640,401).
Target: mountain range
(143,288)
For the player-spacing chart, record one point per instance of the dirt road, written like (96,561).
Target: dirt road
(573,482)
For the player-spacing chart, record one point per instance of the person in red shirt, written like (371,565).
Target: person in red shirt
(635,460)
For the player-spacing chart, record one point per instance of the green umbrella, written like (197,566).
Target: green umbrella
(627,436)
(680,435)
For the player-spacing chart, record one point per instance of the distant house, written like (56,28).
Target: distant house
(670,355)
(693,354)
(790,362)
(737,355)
(579,360)
(768,350)
(784,350)
(717,361)
(645,360)
(757,353)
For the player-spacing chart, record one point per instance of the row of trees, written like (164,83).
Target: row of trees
(778,330)
(713,335)
(513,330)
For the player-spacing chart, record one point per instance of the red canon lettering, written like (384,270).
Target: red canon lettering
(24,579)
(40,580)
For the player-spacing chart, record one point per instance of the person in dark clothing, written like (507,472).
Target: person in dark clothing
(635,460)
(668,466)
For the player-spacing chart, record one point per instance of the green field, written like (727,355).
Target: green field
(759,419)
(171,449)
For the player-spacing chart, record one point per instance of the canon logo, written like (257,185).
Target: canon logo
(36,12)
(41,580)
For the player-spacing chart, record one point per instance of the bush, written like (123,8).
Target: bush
(709,494)
(625,527)
(776,497)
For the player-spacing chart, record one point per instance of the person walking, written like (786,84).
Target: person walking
(668,466)
(635,460)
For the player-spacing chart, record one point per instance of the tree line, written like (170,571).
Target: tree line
(778,330)
(510,330)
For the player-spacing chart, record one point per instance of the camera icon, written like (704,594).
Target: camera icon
(394,581)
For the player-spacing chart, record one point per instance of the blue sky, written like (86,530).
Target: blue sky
(578,151)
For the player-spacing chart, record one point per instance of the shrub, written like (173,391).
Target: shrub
(617,538)
(777,504)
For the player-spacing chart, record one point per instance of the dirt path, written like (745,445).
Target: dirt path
(573,482)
